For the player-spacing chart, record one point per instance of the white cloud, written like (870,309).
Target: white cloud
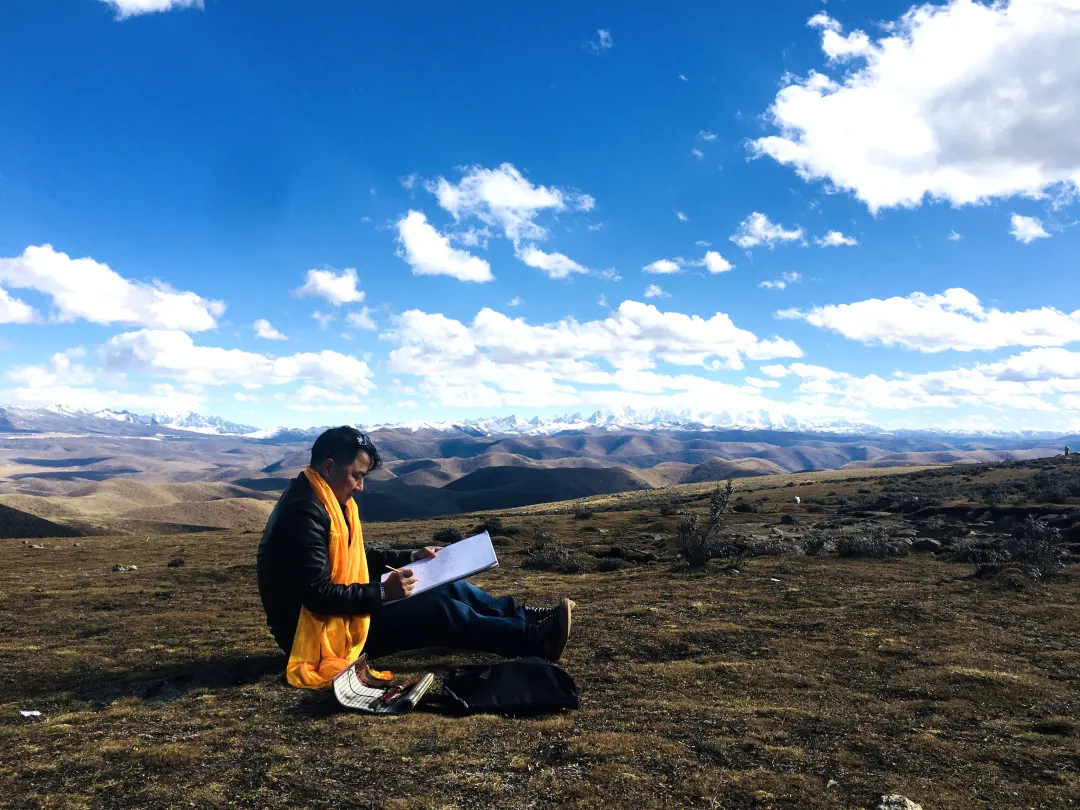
(603,42)
(757,382)
(158,398)
(12,310)
(514,302)
(324,319)
(507,361)
(174,355)
(92,291)
(655,291)
(429,253)
(682,217)
(775,371)
(63,369)
(836,239)
(962,102)
(664,266)
(954,236)
(1027,229)
(313,398)
(697,153)
(556,265)
(758,229)
(264,330)
(361,319)
(715,263)
(406,403)
(337,288)
(132,8)
(703,243)
(682,77)
(707,135)
(782,282)
(504,198)
(602,300)
(954,320)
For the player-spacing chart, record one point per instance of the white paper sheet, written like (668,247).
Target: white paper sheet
(457,561)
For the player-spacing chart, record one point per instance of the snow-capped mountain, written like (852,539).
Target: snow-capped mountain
(60,418)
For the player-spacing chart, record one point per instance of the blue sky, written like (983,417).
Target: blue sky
(857,212)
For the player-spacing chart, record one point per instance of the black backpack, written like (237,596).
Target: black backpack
(525,686)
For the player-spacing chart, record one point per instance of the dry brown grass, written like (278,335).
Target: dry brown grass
(160,688)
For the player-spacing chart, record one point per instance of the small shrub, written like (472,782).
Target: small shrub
(746,507)
(583,514)
(541,541)
(812,546)
(1036,547)
(494,526)
(444,537)
(668,509)
(873,543)
(554,559)
(698,540)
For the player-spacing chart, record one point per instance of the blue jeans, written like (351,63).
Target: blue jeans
(457,615)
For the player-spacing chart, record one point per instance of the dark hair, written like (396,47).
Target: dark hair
(343,444)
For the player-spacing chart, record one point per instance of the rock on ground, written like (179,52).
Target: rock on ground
(895,801)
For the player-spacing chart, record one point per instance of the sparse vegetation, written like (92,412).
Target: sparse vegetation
(870,542)
(583,514)
(769,668)
(1036,547)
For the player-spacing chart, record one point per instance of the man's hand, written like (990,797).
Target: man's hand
(426,553)
(399,584)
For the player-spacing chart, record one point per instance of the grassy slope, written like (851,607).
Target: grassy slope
(160,688)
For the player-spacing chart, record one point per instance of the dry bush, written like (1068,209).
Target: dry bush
(869,543)
(583,514)
(698,540)
(1036,547)
(444,537)
(495,527)
(550,558)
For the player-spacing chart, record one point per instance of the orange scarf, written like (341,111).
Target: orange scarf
(323,645)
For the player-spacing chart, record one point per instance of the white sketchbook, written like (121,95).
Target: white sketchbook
(456,561)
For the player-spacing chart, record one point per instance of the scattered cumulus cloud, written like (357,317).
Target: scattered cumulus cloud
(84,289)
(954,236)
(782,282)
(664,266)
(703,243)
(361,319)
(1027,229)
(706,135)
(682,77)
(12,310)
(603,42)
(324,319)
(429,253)
(697,153)
(757,229)
(775,370)
(836,239)
(655,291)
(715,263)
(132,8)
(555,265)
(508,361)
(264,330)
(961,102)
(951,321)
(682,217)
(337,288)
(514,302)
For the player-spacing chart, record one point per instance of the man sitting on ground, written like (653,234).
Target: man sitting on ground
(321,588)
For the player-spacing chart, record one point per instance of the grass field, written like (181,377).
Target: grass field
(775,681)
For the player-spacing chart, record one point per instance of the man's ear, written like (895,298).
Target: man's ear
(326,469)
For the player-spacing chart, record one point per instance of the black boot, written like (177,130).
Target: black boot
(553,632)
(536,615)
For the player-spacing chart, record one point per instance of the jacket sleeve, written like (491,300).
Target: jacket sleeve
(378,559)
(309,527)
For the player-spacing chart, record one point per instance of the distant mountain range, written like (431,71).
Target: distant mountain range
(59,418)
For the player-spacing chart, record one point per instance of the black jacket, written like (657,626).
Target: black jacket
(294,566)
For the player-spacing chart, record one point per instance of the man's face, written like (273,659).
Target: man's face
(346,480)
